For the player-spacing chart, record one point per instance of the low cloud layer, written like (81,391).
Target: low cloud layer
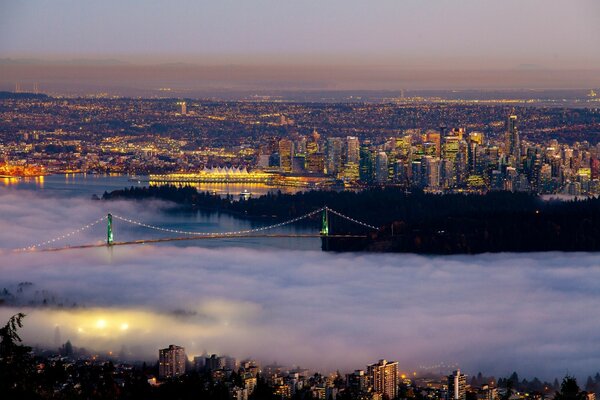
(534,313)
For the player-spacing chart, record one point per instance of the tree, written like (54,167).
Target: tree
(9,335)
(569,390)
(17,370)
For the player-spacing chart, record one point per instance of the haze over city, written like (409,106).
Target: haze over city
(267,44)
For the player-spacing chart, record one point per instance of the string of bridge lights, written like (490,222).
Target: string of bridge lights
(193,233)
(339,214)
(61,237)
(230,233)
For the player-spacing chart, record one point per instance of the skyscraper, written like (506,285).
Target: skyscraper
(286,152)
(352,150)
(171,361)
(366,163)
(384,377)
(334,155)
(457,386)
(381,167)
(512,143)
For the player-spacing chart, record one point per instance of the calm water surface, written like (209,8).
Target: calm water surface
(87,185)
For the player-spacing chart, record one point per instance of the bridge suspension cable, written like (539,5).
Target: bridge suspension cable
(61,237)
(339,214)
(241,232)
(193,233)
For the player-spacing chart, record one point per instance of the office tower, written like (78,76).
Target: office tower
(474,142)
(315,163)
(381,168)
(461,163)
(512,143)
(366,164)
(352,150)
(401,173)
(436,139)
(457,386)
(430,172)
(286,152)
(415,173)
(351,159)
(334,155)
(384,377)
(171,362)
(450,149)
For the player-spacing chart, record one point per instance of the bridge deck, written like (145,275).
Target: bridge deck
(187,238)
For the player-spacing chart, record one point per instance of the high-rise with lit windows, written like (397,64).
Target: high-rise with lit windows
(171,361)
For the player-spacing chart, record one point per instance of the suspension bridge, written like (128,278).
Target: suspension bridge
(268,231)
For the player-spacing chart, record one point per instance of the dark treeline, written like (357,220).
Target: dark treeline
(419,222)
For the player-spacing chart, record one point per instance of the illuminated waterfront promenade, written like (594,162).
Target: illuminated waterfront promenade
(225,175)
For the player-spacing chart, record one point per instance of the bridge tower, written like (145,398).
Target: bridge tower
(325,223)
(109,231)
(325,229)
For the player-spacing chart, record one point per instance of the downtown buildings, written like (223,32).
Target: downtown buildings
(440,147)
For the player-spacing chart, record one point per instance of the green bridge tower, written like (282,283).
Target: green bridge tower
(325,223)
(109,231)
(325,230)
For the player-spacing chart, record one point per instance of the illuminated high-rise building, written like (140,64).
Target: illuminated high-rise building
(286,154)
(430,172)
(512,143)
(384,378)
(435,138)
(334,155)
(475,141)
(171,361)
(457,386)
(352,150)
(381,168)
(315,163)
(365,169)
